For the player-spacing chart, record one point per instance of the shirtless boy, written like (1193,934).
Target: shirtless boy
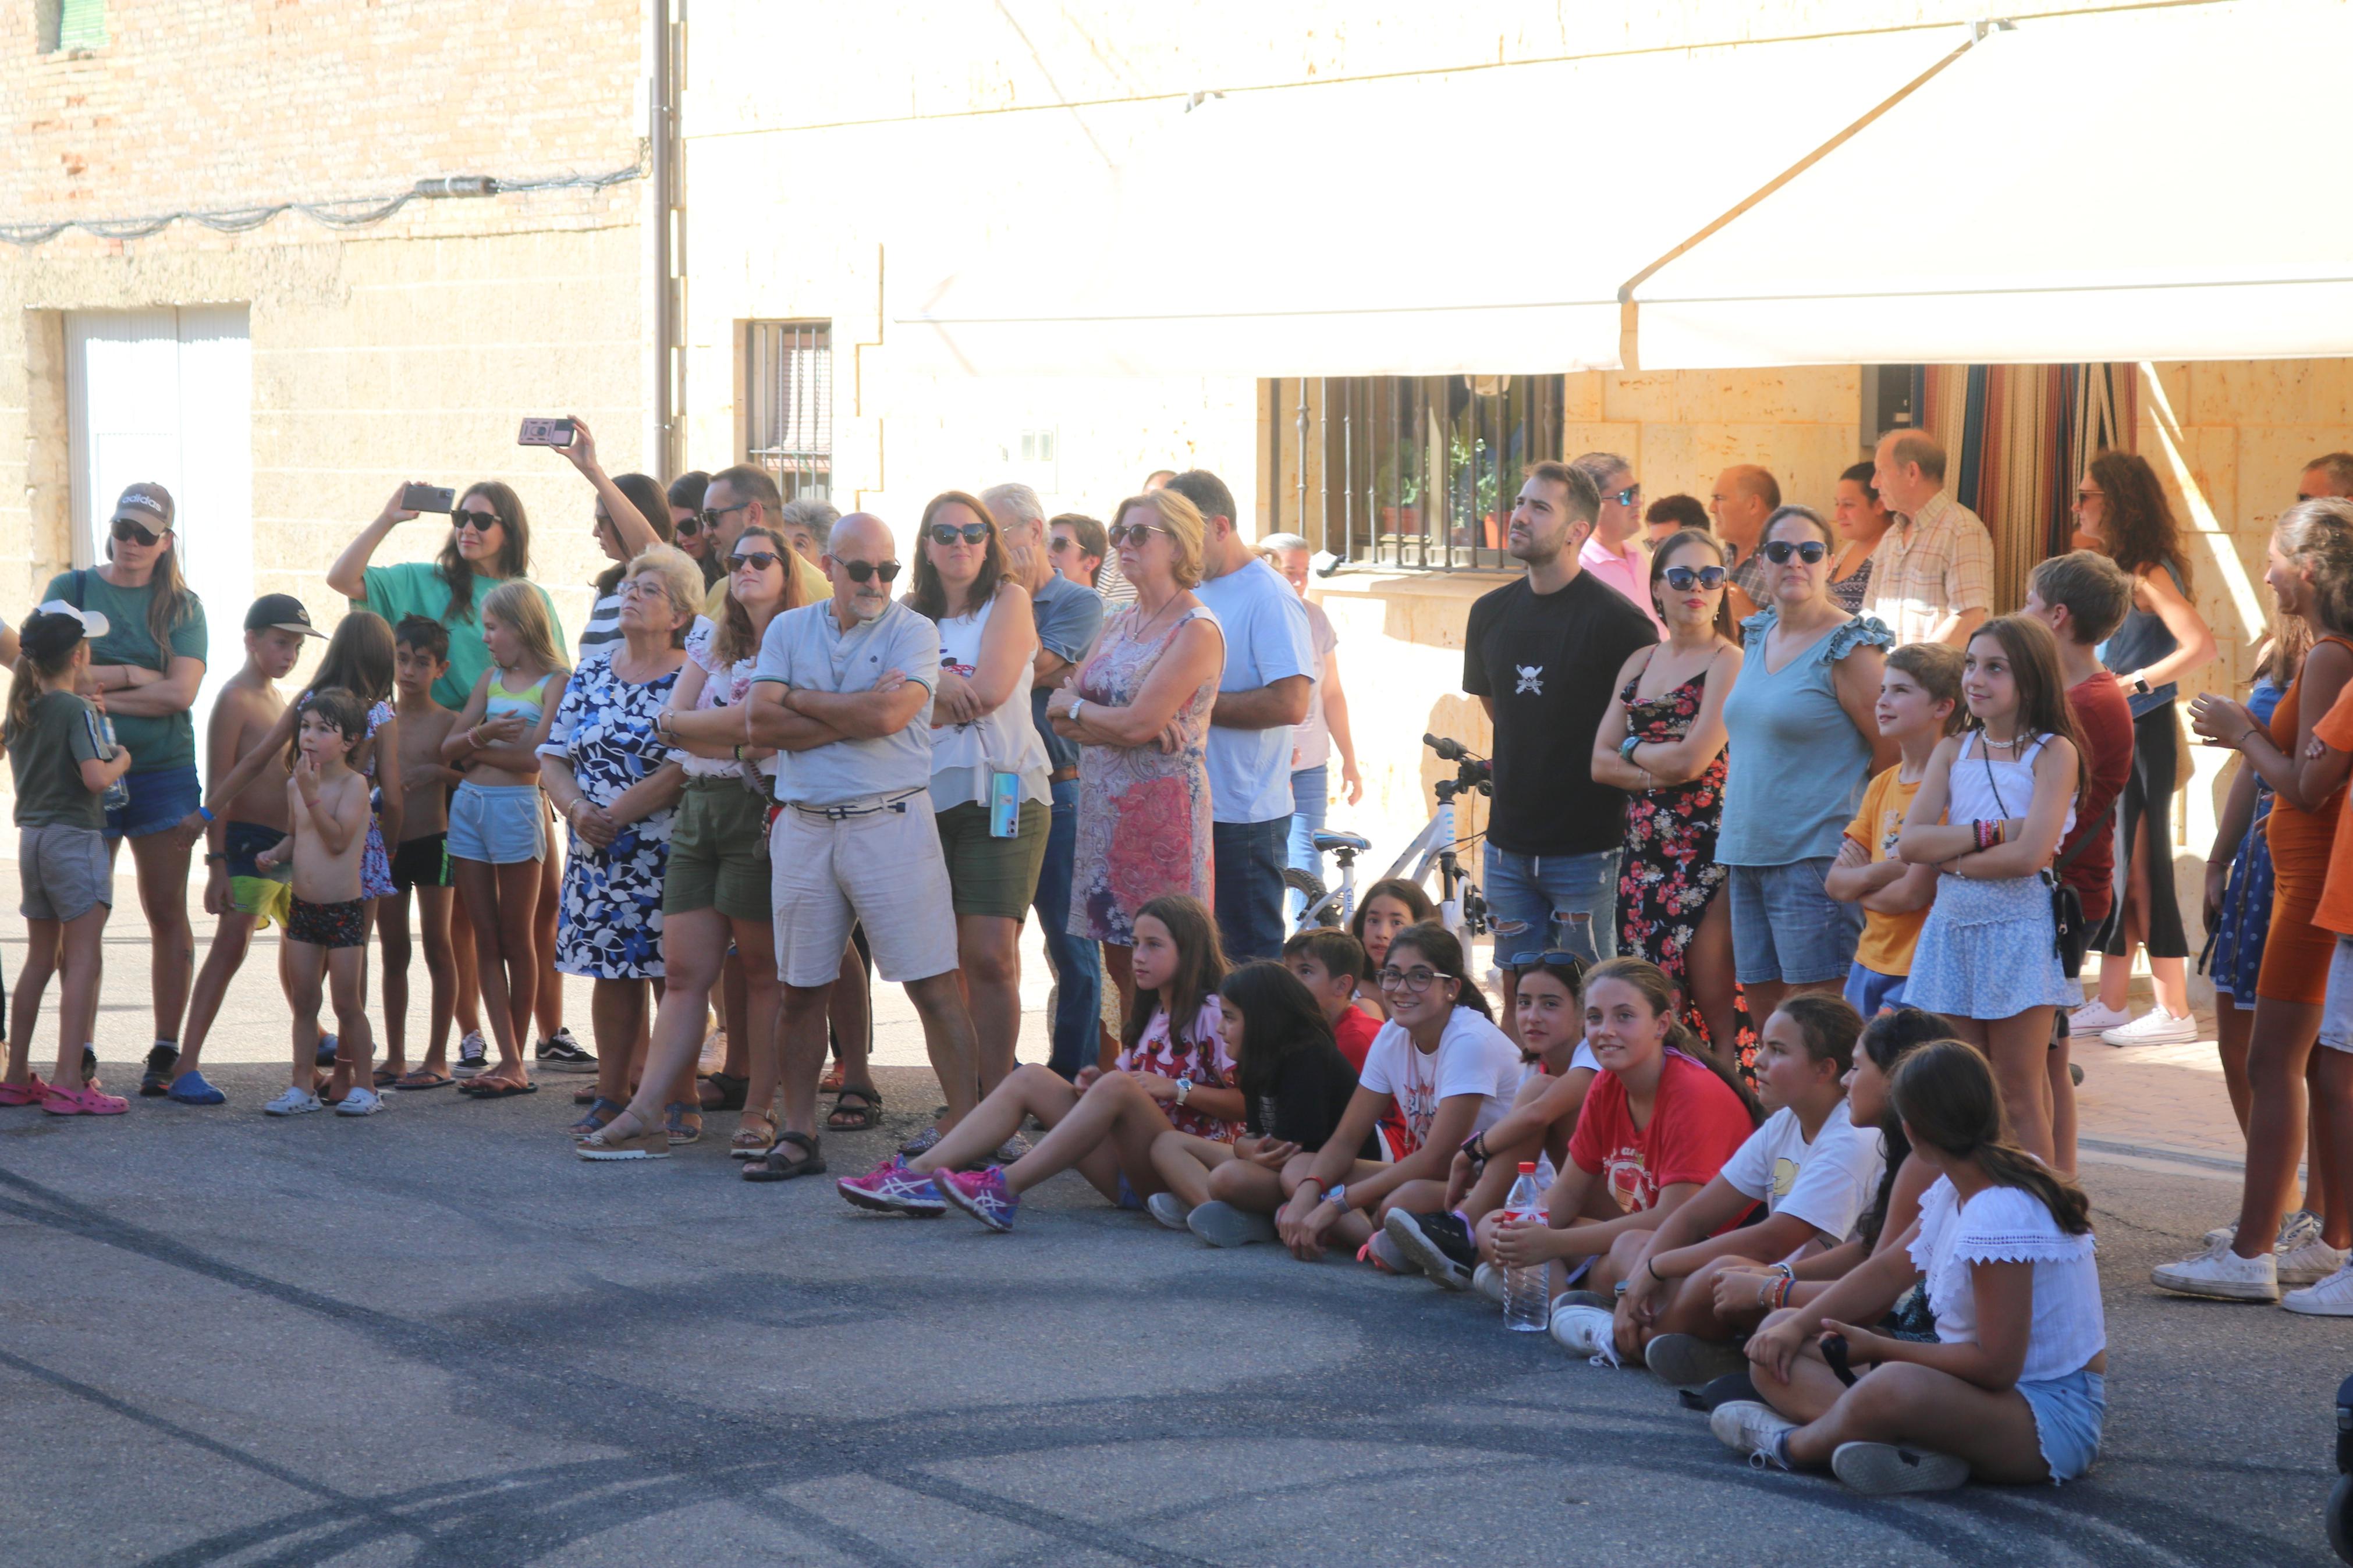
(421,859)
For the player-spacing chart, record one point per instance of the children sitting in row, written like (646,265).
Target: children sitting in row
(1390,905)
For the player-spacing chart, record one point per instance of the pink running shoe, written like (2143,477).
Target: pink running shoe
(31,1092)
(892,1188)
(981,1194)
(83,1103)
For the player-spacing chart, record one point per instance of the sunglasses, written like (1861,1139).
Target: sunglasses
(710,515)
(1056,546)
(1626,496)
(863,571)
(479,522)
(1811,551)
(1573,962)
(758,560)
(1680,578)
(948,533)
(1120,533)
(690,528)
(126,530)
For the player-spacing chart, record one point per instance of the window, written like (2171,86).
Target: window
(788,404)
(1407,471)
(72,24)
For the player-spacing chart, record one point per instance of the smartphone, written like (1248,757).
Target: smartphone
(1004,805)
(428,498)
(545,433)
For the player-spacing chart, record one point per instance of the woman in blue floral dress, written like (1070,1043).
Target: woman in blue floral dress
(610,776)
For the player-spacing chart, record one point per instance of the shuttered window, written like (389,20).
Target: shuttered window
(81,24)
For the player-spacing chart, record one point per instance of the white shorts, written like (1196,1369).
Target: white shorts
(880,870)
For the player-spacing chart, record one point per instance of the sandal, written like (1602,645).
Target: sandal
(385,1078)
(831,1082)
(781,1164)
(733,1090)
(756,1137)
(424,1078)
(600,1116)
(674,1123)
(859,1116)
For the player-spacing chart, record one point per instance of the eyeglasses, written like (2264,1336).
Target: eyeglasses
(1121,532)
(688,529)
(479,522)
(862,570)
(710,515)
(948,533)
(757,560)
(1811,551)
(1626,496)
(1680,578)
(126,530)
(1415,980)
(1573,962)
(639,587)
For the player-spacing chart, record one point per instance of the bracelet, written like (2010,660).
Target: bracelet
(1784,1271)
(739,751)
(1653,1265)
(1763,1291)
(207,815)
(215,860)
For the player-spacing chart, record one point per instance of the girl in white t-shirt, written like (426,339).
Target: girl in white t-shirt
(2014,1386)
(1446,1067)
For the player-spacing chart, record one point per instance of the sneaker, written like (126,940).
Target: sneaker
(1879,1470)
(190,1088)
(1441,1242)
(156,1081)
(83,1101)
(1491,1282)
(1686,1361)
(2154,1028)
(360,1102)
(328,1046)
(980,1194)
(1012,1149)
(2094,1017)
(1587,1331)
(1753,1430)
(645,1144)
(294,1102)
(920,1143)
(2331,1297)
(1169,1210)
(2222,1275)
(1387,1256)
(2296,1227)
(892,1188)
(1593,1299)
(473,1054)
(2307,1264)
(2075,1074)
(1221,1223)
(88,1063)
(562,1053)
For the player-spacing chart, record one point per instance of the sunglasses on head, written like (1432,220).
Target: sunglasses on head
(1122,533)
(1680,578)
(127,531)
(1811,551)
(863,571)
(948,533)
(758,560)
(1573,962)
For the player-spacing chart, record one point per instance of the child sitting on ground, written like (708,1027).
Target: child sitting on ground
(1329,963)
(1390,906)
(1919,705)
(420,862)
(326,929)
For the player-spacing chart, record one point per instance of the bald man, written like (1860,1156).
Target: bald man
(1745,496)
(1932,574)
(2325,476)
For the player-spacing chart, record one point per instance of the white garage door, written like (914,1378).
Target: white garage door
(167,395)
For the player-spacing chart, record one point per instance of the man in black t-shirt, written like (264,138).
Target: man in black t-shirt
(1541,655)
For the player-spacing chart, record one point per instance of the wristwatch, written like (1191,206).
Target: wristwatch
(2140,685)
(1626,749)
(1184,1088)
(1076,703)
(1337,1195)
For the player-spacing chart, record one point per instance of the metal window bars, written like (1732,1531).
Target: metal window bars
(1413,472)
(788,420)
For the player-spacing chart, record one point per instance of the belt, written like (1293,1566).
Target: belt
(1061,776)
(855,808)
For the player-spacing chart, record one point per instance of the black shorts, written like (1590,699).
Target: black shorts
(421,862)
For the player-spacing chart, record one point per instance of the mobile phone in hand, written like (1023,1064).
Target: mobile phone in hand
(545,433)
(428,498)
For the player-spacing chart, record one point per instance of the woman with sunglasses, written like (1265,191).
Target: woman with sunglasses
(686,530)
(1662,741)
(981,729)
(1139,708)
(1803,739)
(149,665)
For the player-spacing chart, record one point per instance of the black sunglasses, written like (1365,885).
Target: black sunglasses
(127,531)
(1573,962)
(1680,578)
(1811,551)
(759,559)
(948,533)
(690,528)
(710,515)
(479,522)
(1119,533)
(860,571)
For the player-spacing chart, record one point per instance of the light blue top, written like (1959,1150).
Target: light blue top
(1796,765)
(807,648)
(2138,643)
(1266,641)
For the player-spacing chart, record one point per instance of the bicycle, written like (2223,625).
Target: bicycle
(1462,906)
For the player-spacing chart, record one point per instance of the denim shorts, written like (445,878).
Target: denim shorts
(2337,1012)
(1529,897)
(502,824)
(159,800)
(1870,992)
(1786,928)
(2067,1415)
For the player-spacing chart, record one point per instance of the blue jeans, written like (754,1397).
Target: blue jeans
(1525,891)
(1308,804)
(1249,878)
(1077,963)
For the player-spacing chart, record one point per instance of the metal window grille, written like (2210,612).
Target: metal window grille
(1417,473)
(788,426)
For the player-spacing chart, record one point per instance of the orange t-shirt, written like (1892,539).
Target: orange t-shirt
(2335,912)
(2303,843)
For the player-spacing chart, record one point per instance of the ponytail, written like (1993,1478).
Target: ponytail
(1659,994)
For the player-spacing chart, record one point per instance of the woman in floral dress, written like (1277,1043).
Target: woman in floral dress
(1139,709)
(1662,741)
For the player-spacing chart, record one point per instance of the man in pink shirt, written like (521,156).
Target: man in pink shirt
(1610,552)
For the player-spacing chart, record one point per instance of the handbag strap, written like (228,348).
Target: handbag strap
(2083,839)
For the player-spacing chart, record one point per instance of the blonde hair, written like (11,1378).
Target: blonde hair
(519,604)
(681,579)
(1185,530)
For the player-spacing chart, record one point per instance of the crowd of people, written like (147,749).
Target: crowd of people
(1796,851)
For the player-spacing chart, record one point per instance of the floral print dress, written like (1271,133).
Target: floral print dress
(1143,814)
(608,923)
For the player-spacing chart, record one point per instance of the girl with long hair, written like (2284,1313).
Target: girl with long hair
(1388,907)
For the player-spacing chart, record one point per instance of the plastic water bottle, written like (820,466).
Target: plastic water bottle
(117,793)
(1524,1295)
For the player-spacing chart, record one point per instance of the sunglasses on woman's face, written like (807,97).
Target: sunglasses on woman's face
(127,531)
(948,533)
(479,522)
(757,560)
(1119,533)
(688,528)
(1680,578)
(863,571)
(1811,551)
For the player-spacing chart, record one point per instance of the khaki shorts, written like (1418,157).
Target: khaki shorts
(993,876)
(881,869)
(718,852)
(65,873)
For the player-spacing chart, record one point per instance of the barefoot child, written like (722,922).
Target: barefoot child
(421,861)
(248,822)
(62,767)
(326,929)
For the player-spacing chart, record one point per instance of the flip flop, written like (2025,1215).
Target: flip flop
(385,1078)
(428,1079)
(499,1089)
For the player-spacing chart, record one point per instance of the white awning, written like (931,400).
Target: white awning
(2147,184)
(1473,221)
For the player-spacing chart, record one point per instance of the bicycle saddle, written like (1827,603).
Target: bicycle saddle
(1326,842)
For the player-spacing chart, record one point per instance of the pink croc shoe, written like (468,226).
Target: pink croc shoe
(31,1092)
(83,1103)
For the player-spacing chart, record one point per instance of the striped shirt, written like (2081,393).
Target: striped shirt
(1930,566)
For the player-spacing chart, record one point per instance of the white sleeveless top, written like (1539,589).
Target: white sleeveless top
(1976,795)
(964,755)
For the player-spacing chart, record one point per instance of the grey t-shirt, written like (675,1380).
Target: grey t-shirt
(806,649)
(1070,618)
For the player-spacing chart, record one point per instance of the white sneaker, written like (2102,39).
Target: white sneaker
(2221,1275)
(2331,1297)
(1751,1429)
(2296,1227)
(294,1102)
(360,1102)
(1168,1209)
(2154,1028)
(1587,1331)
(2308,1264)
(1490,1281)
(2093,1017)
